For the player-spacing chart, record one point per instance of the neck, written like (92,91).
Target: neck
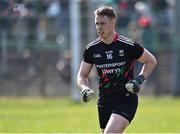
(110,38)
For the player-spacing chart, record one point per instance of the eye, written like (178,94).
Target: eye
(97,24)
(102,23)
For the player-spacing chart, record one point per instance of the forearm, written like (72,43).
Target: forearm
(147,69)
(149,63)
(82,77)
(82,82)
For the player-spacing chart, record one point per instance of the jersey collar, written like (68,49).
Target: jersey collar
(114,40)
(116,37)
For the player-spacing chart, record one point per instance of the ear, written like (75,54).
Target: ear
(113,21)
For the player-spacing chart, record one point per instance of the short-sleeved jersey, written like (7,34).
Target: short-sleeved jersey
(114,62)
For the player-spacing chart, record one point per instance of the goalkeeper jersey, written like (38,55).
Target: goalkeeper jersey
(114,62)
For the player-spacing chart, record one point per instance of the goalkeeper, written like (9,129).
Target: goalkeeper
(113,56)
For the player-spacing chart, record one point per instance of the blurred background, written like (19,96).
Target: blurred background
(42,42)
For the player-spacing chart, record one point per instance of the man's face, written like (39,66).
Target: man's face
(104,26)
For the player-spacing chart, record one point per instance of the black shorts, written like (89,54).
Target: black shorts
(125,108)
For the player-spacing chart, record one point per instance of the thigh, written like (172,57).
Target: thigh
(116,124)
(104,114)
(122,114)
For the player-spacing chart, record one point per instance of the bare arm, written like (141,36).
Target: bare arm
(149,63)
(82,77)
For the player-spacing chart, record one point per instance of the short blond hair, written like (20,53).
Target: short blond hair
(106,11)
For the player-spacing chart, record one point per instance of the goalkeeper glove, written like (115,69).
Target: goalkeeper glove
(134,85)
(87,94)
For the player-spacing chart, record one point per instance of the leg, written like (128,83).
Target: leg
(110,118)
(116,124)
(104,115)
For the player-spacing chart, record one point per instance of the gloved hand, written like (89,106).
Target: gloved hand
(87,94)
(134,85)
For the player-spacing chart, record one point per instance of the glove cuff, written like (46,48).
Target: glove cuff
(83,90)
(141,79)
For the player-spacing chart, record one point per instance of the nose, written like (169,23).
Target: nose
(97,26)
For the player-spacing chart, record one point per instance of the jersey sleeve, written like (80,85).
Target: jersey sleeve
(87,56)
(136,51)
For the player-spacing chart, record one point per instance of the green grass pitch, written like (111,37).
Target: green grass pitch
(61,115)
